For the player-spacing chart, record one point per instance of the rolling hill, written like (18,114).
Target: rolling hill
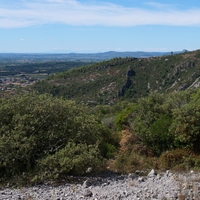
(124,78)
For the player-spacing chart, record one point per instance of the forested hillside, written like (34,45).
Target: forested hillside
(125,78)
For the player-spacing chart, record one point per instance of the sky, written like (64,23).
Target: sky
(91,26)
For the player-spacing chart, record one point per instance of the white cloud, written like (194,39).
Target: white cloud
(72,12)
(161,5)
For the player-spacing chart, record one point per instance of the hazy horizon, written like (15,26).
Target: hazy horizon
(85,26)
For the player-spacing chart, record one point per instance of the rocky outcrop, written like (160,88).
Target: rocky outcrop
(183,67)
(128,82)
(126,85)
(130,72)
(187,64)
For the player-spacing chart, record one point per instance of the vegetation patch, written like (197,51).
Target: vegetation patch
(77,120)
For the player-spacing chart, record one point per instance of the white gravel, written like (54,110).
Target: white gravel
(163,186)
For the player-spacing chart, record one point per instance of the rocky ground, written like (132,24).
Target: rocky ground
(162,186)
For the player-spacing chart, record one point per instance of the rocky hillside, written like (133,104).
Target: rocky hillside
(123,78)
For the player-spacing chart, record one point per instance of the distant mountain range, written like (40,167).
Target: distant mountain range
(35,57)
(114,54)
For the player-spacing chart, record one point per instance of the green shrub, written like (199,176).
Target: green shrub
(108,150)
(33,127)
(109,122)
(72,159)
(121,121)
(192,161)
(151,123)
(186,126)
(158,136)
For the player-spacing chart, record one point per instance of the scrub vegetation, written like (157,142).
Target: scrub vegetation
(47,136)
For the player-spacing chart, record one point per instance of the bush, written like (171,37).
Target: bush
(174,159)
(129,162)
(72,159)
(158,136)
(121,121)
(34,127)
(151,123)
(186,126)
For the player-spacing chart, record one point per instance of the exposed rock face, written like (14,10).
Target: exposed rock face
(128,83)
(187,64)
(130,72)
(183,67)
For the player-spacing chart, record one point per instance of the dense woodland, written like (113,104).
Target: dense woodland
(47,136)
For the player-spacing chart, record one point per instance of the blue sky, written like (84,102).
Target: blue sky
(89,26)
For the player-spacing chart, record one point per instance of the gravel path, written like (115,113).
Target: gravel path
(164,186)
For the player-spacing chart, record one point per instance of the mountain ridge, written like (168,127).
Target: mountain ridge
(108,81)
(81,56)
